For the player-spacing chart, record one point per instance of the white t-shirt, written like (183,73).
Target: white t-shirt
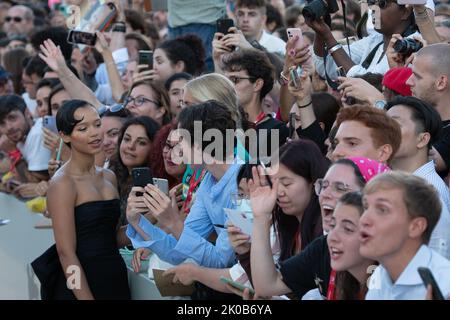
(369,25)
(31,104)
(33,150)
(272,44)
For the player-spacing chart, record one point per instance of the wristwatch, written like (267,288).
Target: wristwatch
(379,104)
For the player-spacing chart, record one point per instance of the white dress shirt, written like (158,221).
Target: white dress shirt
(272,44)
(409,286)
(440,238)
(359,51)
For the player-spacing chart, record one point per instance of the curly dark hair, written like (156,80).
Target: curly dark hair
(257,65)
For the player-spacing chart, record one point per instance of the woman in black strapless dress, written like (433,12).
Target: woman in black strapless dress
(82,201)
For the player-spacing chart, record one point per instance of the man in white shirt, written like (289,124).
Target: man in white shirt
(251,18)
(17,124)
(401,211)
(421,125)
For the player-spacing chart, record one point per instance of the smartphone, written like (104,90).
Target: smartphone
(236,285)
(291,124)
(427,278)
(295,77)
(162,185)
(291,33)
(81,37)
(403,2)
(223,25)
(146,57)
(108,15)
(141,177)
(49,122)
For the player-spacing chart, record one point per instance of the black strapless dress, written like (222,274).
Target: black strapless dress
(96,224)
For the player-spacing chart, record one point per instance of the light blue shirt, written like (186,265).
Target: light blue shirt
(409,285)
(440,237)
(211,197)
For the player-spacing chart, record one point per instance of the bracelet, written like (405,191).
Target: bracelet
(335,48)
(305,105)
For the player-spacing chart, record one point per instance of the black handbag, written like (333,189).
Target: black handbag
(47,269)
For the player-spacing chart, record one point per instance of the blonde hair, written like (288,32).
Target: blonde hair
(214,86)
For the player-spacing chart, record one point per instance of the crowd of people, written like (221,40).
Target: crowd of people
(343,168)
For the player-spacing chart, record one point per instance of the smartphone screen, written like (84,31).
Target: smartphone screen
(80,37)
(146,58)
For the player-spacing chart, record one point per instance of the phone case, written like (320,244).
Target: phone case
(428,278)
(162,185)
(141,177)
(224,24)
(291,33)
(236,285)
(403,2)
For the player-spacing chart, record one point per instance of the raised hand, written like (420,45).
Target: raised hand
(141,74)
(262,197)
(52,55)
(303,88)
(101,44)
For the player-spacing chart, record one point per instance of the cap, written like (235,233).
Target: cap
(395,79)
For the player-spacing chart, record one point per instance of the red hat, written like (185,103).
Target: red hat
(395,79)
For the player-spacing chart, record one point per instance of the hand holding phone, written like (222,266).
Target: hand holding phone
(428,279)
(49,122)
(223,25)
(236,285)
(146,58)
(291,33)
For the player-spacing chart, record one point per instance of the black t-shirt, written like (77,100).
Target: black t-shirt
(443,146)
(310,269)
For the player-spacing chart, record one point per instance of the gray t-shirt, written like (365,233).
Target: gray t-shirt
(183,12)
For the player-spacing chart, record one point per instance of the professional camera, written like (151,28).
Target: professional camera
(316,9)
(407,46)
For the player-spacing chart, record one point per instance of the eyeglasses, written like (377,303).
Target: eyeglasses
(168,147)
(337,188)
(139,101)
(381,3)
(16,19)
(116,108)
(236,79)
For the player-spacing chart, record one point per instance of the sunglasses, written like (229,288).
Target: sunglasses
(16,19)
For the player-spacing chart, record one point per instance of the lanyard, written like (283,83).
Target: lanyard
(15,157)
(260,117)
(192,186)
(331,294)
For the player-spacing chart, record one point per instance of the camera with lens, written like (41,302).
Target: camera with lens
(407,46)
(317,9)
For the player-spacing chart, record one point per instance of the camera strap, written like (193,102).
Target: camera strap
(366,63)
